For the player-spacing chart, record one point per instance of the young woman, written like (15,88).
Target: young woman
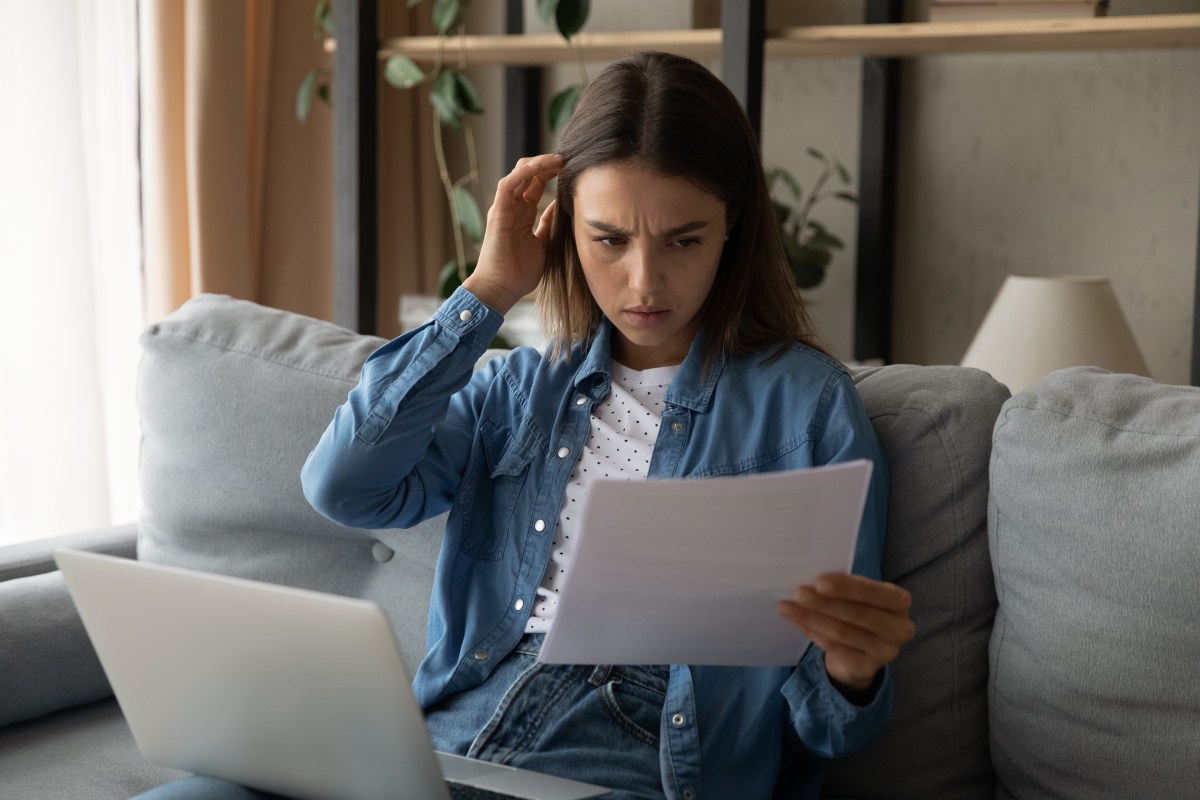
(681,350)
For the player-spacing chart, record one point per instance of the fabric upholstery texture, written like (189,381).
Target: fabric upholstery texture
(1095,541)
(935,425)
(232,396)
(82,752)
(46,660)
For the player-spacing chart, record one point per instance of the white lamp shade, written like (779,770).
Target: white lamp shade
(1039,325)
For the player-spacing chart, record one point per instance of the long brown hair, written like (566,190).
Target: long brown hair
(669,114)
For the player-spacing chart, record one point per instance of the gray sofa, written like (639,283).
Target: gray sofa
(1056,613)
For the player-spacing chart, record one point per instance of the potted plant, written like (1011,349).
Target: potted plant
(807,243)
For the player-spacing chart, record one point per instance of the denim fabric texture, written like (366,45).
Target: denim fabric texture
(424,433)
(598,724)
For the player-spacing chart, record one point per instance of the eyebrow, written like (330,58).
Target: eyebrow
(678,230)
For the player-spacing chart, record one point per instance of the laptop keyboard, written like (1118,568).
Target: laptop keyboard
(460,791)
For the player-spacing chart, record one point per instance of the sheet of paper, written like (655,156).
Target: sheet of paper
(690,571)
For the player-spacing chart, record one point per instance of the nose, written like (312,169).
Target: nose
(645,277)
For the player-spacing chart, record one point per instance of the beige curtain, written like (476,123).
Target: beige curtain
(236,193)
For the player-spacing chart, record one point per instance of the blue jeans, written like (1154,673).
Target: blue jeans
(598,724)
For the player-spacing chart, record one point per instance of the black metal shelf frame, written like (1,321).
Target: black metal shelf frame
(355,143)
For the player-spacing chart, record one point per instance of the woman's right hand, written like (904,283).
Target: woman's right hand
(513,254)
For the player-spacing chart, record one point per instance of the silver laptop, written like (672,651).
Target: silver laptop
(289,691)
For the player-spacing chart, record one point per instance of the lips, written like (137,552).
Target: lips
(647,316)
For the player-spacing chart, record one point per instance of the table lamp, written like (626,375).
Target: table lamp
(1038,325)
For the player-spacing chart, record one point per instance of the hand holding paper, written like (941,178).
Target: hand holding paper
(859,623)
(692,571)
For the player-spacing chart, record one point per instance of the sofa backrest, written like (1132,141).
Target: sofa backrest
(1095,538)
(233,396)
(935,426)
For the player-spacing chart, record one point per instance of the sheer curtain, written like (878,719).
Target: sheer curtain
(70,266)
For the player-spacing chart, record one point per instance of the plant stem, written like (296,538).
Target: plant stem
(444,174)
(813,196)
(468,128)
(448,185)
(579,59)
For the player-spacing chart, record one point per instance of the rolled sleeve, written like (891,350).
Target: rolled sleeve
(385,460)
(828,725)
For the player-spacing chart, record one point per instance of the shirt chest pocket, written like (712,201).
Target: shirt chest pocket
(487,501)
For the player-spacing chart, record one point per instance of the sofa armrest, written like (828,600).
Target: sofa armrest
(37,557)
(47,662)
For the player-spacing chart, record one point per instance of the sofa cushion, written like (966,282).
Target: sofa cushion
(1095,542)
(232,396)
(46,660)
(83,753)
(935,426)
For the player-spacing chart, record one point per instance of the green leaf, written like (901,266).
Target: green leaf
(782,212)
(849,197)
(322,20)
(817,154)
(546,10)
(402,72)
(304,95)
(562,106)
(843,173)
(788,179)
(468,96)
(323,93)
(448,278)
(571,16)
(469,216)
(824,240)
(447,14)
(444,98)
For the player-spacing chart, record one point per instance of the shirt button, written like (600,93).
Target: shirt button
(580,401)
(519,604)
(678,719)
(382,553)
(482,655)
(677,426)
(563,452)
(540,525)
(688,794)
(465,315)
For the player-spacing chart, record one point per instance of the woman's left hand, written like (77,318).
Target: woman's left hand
(860,624)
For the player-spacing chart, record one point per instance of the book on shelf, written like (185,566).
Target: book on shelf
(971,10)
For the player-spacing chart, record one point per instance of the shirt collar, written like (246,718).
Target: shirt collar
(692,387)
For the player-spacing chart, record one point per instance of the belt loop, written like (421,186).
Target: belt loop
(600,674)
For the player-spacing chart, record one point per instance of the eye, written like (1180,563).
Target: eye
(684,244)
(610,241)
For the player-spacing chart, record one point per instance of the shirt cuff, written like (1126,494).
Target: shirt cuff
(466,315)
(827,723)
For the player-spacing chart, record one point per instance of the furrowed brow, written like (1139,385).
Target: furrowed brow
(687,227)
(607,228)
(678,230)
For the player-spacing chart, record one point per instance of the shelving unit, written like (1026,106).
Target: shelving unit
(741,45)
(896,40)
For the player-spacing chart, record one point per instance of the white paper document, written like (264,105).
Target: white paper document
(690,571)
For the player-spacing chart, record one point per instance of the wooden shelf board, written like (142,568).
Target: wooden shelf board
(899,40)
(990,36)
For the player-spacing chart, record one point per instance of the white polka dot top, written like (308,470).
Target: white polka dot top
(620,445)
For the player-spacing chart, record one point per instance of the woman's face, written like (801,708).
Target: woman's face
(649,246)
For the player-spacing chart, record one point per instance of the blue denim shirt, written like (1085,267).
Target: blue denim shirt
(422,434)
